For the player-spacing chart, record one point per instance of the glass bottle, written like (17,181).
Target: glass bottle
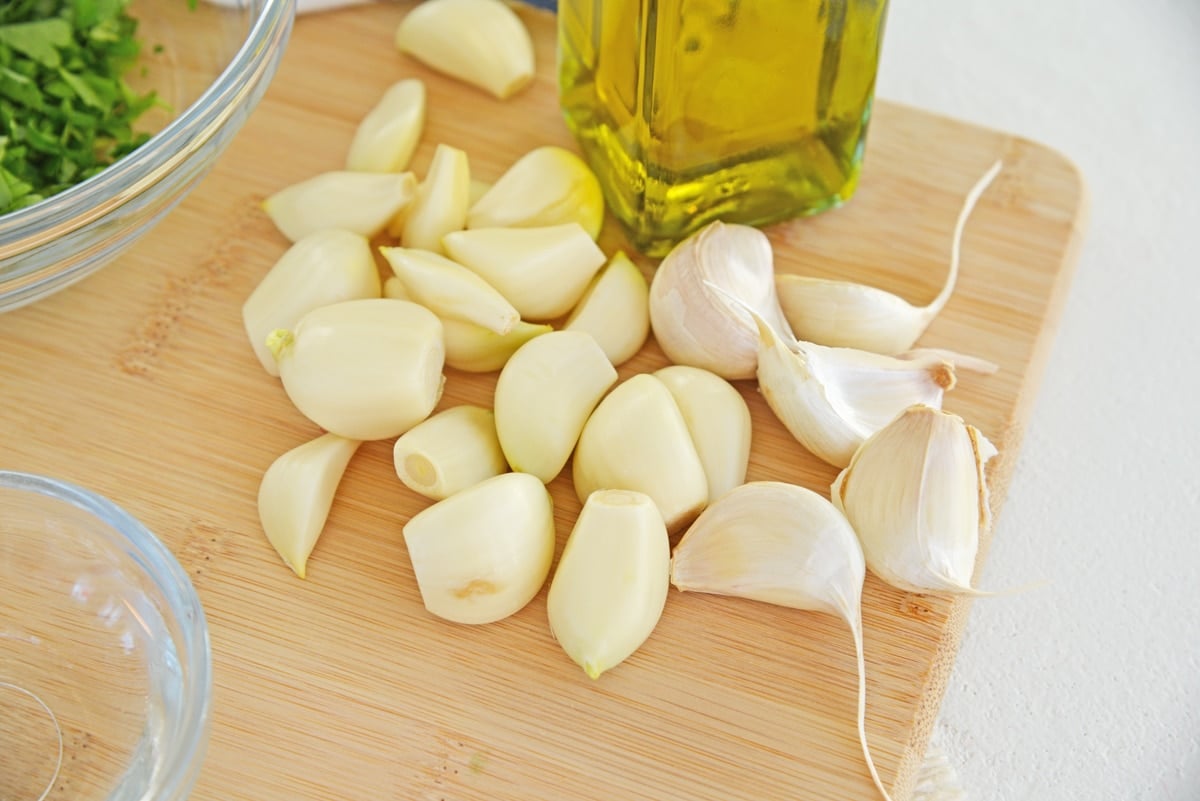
(748,111)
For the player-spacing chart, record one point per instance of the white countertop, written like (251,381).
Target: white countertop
(1088,687)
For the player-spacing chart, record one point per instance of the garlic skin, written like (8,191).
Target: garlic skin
(360,202)
(848,315)
(322,268)
(448,452)
(700,294)
(474,349)
(296,493)
(450,290)
(481,42)
(718,419)
(483,553)
(610,586)
(363,369)
(615,310)
(387,136)
(542,272)
(547,186)
(543,397)
(637,440)
(916,494)
(440,205)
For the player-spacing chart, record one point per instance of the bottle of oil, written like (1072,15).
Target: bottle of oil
(747,111)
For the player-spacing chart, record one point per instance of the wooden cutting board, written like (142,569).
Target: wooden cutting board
(139,383)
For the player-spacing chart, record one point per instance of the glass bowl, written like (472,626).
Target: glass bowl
(211,64)
(105,668)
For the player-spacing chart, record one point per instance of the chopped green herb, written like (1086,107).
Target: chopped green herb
(66,111)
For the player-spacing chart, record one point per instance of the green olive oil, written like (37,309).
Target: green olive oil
(748,111)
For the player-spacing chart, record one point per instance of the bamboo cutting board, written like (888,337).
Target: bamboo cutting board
(138,383)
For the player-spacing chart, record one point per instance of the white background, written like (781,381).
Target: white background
(1088,688)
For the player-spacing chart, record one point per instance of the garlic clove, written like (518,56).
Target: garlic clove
(637,440)
(474,349)
(448,452)
(700,295)
(543,397)
(547,186)
(610,586)
(916,494)
(363,369)
(483,553)
(849,315)
(718,419)
(441,202)
(450,290)
(481,42)
(322,268)
(296,493)
(615,310)
(360,202)
(542,272)
(786,545)
(387,136)
(393,288)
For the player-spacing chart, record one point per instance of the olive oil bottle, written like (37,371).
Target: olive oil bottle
(747,111)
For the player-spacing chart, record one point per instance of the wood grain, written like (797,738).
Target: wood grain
(139,383)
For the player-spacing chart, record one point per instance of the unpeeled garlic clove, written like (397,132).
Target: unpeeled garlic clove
(547,186)
(850,315)
(448,452)
(542,271)
(636,439)
(916,494)
(361,202)
(387,136)
(440,205)
(320,269)
(702,326)
(474,349)
(363,369)
(615,310)
(610,586)
(481,42)
(296,494)
(483,553)
(719,421)
(450,290)
(786,545)
(543,397)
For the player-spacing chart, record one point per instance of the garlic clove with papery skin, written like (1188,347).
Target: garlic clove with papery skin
(387,136)
(615,310)
(361,202)
(450,290)
(547,186)
(448,452)
(917,496)
(701,295)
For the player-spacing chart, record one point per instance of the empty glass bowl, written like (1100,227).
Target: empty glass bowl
(105,668)
(211,64)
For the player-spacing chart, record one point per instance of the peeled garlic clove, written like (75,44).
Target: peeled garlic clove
(916,494)
(320,269)
(637,440)
(387,136)
(702,326)
(543,397)
(481,42)
(848,315)
(360,202)
(296,493)
(483,553)
(610,586)
(447,453)
(541,271)
(451,290)
(786,545)
(719,421)
(547,186)
(363,369)
(441,202)
(393,288)
(615,310)
(475,349)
